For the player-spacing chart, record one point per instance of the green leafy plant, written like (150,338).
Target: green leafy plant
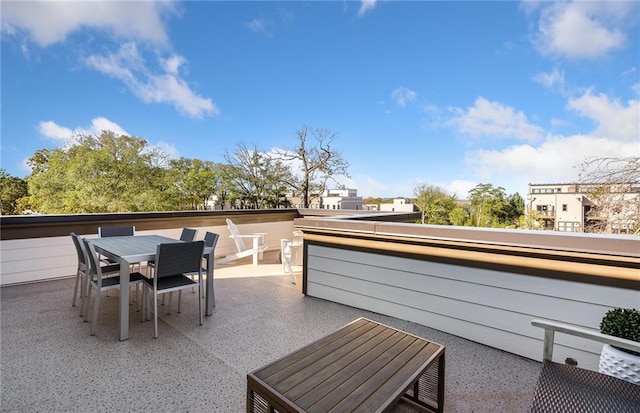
(623,323)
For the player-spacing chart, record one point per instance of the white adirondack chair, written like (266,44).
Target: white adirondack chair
(287,251)
(257,245)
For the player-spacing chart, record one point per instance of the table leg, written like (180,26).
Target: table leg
(211,298)
(124,299)
(256,242)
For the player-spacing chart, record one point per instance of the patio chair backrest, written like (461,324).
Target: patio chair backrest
(211,239)
(92,255)
(82,259)
(188,234)
(116,231)
(235,234)
(178,258)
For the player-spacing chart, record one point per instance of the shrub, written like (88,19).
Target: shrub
(623,323)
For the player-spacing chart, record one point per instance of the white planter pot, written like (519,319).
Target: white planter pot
(619,364)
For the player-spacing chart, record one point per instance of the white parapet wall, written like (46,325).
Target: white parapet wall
(39,259)
(447,290)
(491,307)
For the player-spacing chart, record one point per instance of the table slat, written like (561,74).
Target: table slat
(327,374)
(396,383)
(350,377)
(349,331)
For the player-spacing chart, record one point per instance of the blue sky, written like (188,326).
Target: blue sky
(444,93)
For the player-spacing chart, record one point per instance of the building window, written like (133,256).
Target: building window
(564,207)
(568,226)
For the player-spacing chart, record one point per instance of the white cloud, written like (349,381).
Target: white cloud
(138,22)
(402,95)
(256,26)
(50,22)
(168,149)
(554,79)
(368,186)
(366,6)
(583,29)
(52,130)
(128,66)
(556,160)
(66,136)
(172,64)
(615,121)
(460,188)
(494,119)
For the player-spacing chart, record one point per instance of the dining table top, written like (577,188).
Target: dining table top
(134,248)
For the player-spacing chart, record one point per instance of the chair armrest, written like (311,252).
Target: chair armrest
(550,327)
(256,235)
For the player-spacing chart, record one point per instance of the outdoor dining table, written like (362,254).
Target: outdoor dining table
(136,249)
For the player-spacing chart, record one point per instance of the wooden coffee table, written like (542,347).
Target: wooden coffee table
(363,367)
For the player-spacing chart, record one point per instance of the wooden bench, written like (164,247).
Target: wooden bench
(363,367)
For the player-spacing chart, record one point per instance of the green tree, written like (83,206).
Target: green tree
(194,182)
(105,173)
(488,205)
(435,204)
(258,181)
(317,161)
(225,188)
(13,193)
(530,220)
(514,208)
(459,216)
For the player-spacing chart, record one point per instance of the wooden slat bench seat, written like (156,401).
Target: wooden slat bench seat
(363,367)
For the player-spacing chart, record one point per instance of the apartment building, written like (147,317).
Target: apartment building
(573,208)
(399,205)
(341,199)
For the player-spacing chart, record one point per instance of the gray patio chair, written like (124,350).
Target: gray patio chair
(82,271)
(99,283)
(122,231)
(116,231)
(567,388)
(187,235)
(174,262)
(210,241)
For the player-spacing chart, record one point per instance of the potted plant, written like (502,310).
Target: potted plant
(616,361)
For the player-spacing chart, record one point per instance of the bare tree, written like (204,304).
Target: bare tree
(257,180)
(613,189)
(318,161)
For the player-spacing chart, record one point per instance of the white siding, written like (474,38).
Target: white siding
(38,259)
(491,307)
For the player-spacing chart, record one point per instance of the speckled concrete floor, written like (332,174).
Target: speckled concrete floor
(50,363)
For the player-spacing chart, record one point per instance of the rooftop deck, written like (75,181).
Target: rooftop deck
(49,363)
